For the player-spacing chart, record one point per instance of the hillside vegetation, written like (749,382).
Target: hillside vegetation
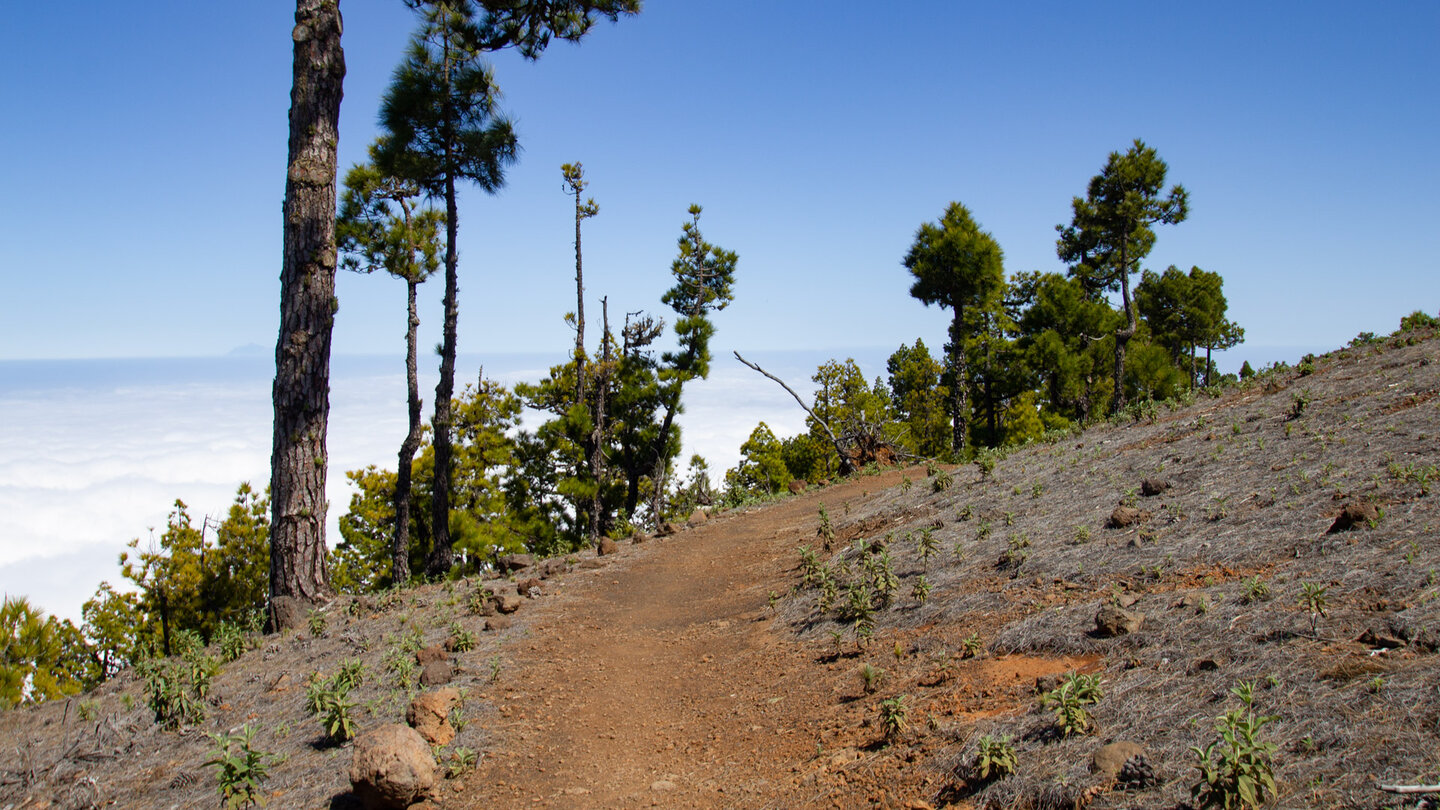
(1260,561)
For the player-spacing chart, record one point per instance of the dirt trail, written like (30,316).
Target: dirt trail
(658,680)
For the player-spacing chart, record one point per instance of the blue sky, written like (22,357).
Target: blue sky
(146,143)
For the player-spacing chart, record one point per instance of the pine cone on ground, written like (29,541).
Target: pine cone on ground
(1137,773)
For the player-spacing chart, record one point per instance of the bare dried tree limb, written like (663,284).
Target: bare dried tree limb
(846,465)
(1409,788)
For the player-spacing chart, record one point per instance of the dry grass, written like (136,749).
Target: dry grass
(1253,492)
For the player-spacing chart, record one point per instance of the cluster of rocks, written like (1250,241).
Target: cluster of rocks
(392,766)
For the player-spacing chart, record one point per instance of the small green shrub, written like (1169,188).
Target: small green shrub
(906,484)
(231,641)
(1235,768)
(462,761)
(928,546)
(941,481)
(920,591)
(1069,700)
(870,677)
(315,622)
(971,646)
(240,768)
(825,531)
(995,757)
(1256,590)
(1313,599)
(462,639)
(172,691)
(894,717)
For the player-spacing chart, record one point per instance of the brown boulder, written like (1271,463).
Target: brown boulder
(514,562)
(528,587)
(1151,487)
(607,547)
(437,673)
(797,486)
(667,529)
(391,767)
(1126,516)
(1113,621)
(432,653)
(1109,759)
(698,517)
(429,714)
(507,602)
(1356,513)
(495,624)
(553,567)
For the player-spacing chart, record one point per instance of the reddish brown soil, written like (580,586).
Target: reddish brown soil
(661,680)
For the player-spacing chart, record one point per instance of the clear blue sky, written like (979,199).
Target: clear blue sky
(145,149)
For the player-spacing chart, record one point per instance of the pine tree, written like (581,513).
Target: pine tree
(1111,232)
(704,274)
(960,267)
(442,128)
(301,392)
(381,228)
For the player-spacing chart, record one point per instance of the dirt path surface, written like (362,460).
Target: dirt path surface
(658,680)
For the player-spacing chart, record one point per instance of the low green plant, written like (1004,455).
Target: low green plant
(401,665)
(1068,701)
(994,757)
(335,709)
(230,640)
(87,710)
(894,717)
(941,481)
(971,646)
(920,591)
(1298,403)
(1313,599)
(928,546)
(906,483)
(986,463)
(1376,685)
(462,761)
(825,531)
(186,643)
(462,639)
(870,677)
(1082,534)
(495,669)
(240,769)
(171,692)
(315,623)
(1256,590)
(1235,768)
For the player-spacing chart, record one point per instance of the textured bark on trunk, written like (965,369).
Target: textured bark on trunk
(579,308)
(441,555)
(400,543)
(1124,333)
(301,392)
(958,392)
(597,439)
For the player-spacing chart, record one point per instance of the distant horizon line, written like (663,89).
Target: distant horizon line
(242,353)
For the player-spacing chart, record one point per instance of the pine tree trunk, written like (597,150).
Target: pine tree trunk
(301,392)
(441,556)
(579,309)
(597,454)
(400,544)
(958,391)
(1124,333)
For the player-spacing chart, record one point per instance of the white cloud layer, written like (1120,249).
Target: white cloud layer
(94,455)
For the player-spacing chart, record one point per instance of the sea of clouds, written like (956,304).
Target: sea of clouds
(94,453)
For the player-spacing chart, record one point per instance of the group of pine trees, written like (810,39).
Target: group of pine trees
(1028,353)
